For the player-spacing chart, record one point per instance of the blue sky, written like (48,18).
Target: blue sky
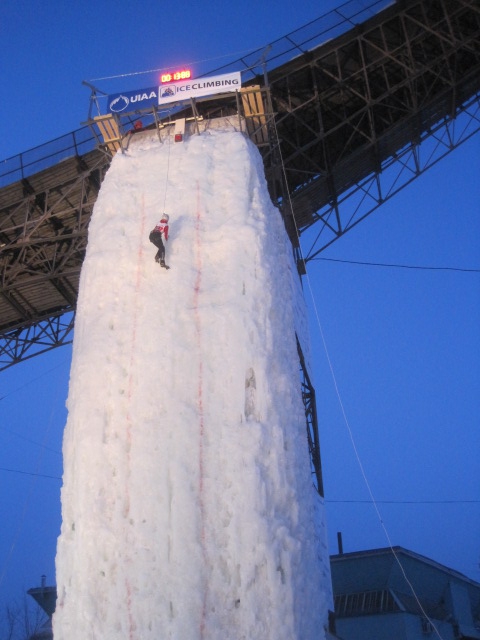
(403,343)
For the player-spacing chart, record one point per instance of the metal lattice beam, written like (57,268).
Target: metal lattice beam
(349,109)
(313,438)
(368,194)
(44,226)
(23,344)
(345,125)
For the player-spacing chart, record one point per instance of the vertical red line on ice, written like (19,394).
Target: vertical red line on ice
(200,402)
(128,433)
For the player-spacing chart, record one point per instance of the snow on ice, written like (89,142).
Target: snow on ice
(188,506)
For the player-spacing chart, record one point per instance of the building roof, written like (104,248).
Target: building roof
(394,579)
(384,561)
(46,597)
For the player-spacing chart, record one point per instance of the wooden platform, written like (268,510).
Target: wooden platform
(110,132)
(255,116)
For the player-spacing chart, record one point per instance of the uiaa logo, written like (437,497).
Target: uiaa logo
(119,104)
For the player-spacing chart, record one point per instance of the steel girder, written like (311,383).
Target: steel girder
(46,334)
(43,237)
(349,123)
(368,194)
(313,438)
(360,105)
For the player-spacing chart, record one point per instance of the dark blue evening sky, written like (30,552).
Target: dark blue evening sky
(403,343)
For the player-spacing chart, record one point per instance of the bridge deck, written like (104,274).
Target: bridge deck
(334,119)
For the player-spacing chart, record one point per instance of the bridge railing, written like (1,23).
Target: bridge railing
(46,155)
(309,36)
(327,27)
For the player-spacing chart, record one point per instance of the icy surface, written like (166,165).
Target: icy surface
(188,506)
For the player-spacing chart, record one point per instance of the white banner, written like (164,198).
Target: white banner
(200,87)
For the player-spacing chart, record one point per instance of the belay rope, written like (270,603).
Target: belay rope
(347,424)
(153,234)
(166,177)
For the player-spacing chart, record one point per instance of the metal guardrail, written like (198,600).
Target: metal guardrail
(327,27)
(25,164)
(313,34)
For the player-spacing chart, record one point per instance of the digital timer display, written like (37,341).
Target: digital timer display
(185,74)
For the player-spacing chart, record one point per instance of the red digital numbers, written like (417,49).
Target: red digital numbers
(185,74)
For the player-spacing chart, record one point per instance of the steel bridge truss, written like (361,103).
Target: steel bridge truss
(21,344)
(43,238)
(341,127)
(308,396)
(365,196)
(359,118)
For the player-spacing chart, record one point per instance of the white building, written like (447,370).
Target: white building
(374,600)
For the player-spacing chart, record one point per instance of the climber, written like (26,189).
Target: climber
(156,237)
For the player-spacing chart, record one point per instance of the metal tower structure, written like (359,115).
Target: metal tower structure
(345,111)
